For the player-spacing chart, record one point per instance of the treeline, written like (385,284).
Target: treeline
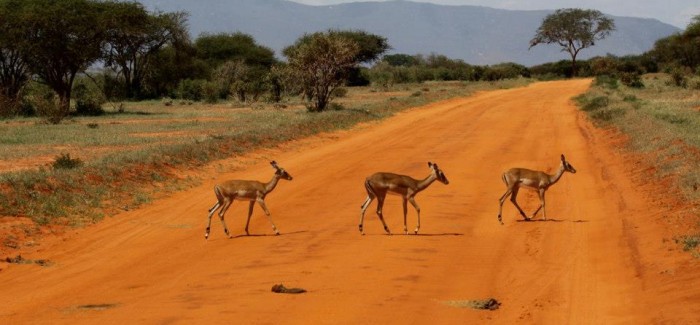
(70,56)
(677,55)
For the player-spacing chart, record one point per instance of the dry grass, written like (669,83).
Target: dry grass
(127,157)
(662,123)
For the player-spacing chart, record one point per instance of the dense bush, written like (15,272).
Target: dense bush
(88,98)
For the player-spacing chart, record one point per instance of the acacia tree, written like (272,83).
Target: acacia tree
(135,36)
(238,63)
(322,61)
(682,49)
(14,72)
(62,38)
(573,30)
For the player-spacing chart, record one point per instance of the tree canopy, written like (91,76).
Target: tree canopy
(682,49)
(573,30)
(134,37)
(219,48)
(321,62)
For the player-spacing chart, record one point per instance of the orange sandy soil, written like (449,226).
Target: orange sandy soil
(605,256)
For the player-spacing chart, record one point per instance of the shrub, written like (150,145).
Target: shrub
(64,161)
(336,106)
(596,103)
(190,89)
(88,100)
(678,78)
(339,92)
(45,103)
(631,79)
(606,81)
(607,114)
(211,91)
(689,242)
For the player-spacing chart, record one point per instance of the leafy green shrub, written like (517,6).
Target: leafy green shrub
(678,78)
(88,100)
(631,79)
(191,89)
(596,103)
(64,161)
(606,81)
(211,91)
(45,103)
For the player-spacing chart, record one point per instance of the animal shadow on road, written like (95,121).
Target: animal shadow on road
(439,234)
(269,235)
(551,220)
(419,235)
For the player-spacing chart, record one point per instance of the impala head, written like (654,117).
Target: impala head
(567,165)
(280,171)
(438,172)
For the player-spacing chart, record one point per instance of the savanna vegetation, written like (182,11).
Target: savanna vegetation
(653,100)
(88,167)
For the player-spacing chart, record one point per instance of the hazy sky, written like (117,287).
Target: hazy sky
(674,12)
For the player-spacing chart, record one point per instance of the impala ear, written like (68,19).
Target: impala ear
(274,164)
(430,164)
(562,157)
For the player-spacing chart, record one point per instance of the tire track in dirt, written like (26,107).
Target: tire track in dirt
(153,265)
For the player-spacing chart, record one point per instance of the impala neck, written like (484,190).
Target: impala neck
(426,182)
(272,183)
(555,178)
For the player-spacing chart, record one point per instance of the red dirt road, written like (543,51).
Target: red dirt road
(603,258)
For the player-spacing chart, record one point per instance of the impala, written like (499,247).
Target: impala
(379,184)
(536,180)
(252,191)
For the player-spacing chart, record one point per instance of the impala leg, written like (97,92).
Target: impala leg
(211,212)
(364,207)
(542,205)
(415,205)
(380,205)
(250,213)
(500,206)
(261,202)
(512,199)
(405,210)
(224,208)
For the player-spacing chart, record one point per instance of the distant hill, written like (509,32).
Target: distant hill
(477,35)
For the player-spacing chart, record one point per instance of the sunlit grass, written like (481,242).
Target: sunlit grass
(124,154)
(660,120)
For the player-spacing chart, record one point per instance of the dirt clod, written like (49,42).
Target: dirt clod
(280,288)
